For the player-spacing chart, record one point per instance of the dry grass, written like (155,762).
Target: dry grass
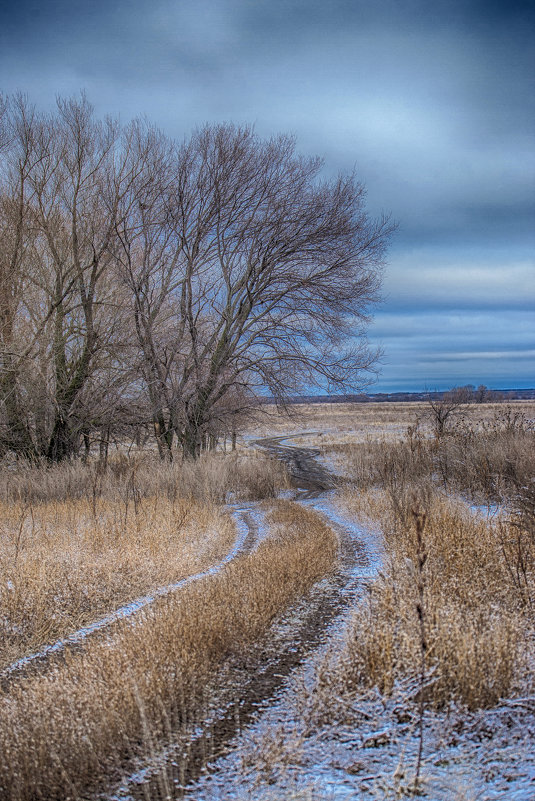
(76,543)
(489,459)
(344,423)
(75,540)
(477,613)
(60,732)
(471,578)
(214,478)
(334,422)
(450,617)
(478,576)
(64,564)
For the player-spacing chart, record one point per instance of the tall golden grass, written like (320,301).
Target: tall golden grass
(477,615)
(61,732)
(215,478)
(64,564)
(76,543)
(474,586)
(491,459)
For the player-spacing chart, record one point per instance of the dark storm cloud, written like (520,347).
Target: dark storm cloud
(433,104)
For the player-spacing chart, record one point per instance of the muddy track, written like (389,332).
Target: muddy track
(249,684)
(306,474)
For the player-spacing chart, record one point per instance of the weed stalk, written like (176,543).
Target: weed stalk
(419,518)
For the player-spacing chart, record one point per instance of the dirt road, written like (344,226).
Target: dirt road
(305,472)
(248,685)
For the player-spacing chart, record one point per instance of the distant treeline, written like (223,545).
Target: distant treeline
(479,394)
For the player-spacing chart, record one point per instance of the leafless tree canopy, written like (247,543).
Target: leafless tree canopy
(144,281)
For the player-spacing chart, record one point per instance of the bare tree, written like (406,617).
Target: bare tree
(277,273)
(182,282)
(445,407)
(4,138)
(64,179)
(78,184)
(148,258)
(482,394)
(16,250)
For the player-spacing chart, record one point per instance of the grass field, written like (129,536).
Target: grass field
(75,544)
(445,632)
(60,732)
(448,622)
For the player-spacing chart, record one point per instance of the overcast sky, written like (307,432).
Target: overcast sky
(432,103)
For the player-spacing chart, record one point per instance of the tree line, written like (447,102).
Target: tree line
(155,286)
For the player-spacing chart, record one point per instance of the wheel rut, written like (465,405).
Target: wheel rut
(246,538)
(250,683)
(306,474)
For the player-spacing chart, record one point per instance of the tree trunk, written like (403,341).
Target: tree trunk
(62,443)
(191,439)
(87,447)
(19,438)
(103,449)
(164,438)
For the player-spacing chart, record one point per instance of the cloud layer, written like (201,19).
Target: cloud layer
(431,104)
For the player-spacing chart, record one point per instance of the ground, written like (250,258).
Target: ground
(240,677)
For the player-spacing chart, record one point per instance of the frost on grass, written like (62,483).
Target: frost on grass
(334,735)
(319,744)
(131,608)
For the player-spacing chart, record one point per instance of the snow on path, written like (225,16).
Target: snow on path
(361,554)
(486,755)
(242,529)
(361,565)
(369,750)
(369,541)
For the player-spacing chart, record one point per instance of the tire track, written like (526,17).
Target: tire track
(248,685)
(306,474)
(247,532)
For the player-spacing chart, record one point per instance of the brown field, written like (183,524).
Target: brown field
(451,613)
(75,545)
(59,732)
(449,623)
(65,566)
(360,422)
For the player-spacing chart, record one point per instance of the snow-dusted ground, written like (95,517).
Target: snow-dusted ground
(368,750)
(258,518)
(334,464)
(364,747)
(240,514)
(367,541)
(361,554)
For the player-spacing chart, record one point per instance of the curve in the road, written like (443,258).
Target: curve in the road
(305,472)
(247,531)
(254,684)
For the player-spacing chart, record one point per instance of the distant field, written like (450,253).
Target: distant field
(361,421)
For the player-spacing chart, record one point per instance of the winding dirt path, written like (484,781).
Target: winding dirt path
(305,472)
(250,684)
